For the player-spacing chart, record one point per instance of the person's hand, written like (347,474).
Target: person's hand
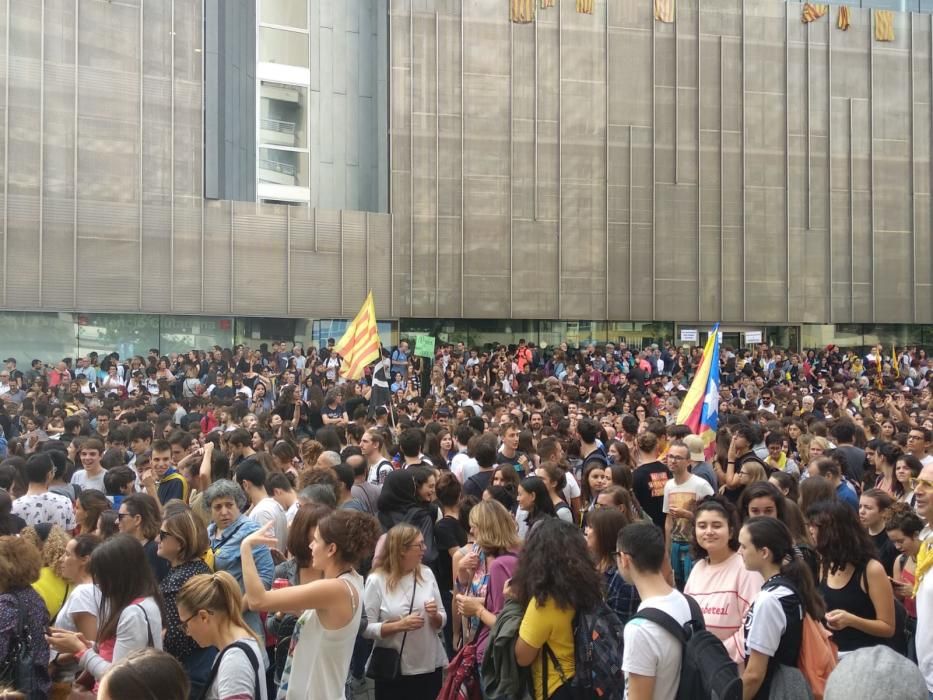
(65,642)
(838,619)
(412,622)
(262,536)
(468,605)
(522,461)
(430,607)
(470,561)
(680,512)
(208,448)
(902,589)
(147,478)
(733,451)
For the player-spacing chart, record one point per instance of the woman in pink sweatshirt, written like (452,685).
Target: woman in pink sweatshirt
(719,581)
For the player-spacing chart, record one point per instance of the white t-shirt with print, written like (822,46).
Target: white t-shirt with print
(46,507)
(766,621)
(685,496)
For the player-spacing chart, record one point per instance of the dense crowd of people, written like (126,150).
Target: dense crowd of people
(494,523)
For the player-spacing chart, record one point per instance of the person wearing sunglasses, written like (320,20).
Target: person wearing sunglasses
(182,541)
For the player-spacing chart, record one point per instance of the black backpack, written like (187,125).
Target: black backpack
(18,669)
(706,671)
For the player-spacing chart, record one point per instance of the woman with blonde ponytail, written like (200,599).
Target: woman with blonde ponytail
(209,607)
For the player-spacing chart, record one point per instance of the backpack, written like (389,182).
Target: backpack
(462,681)
(706,671)
(18,670)
(597,654)
(818,655)
(597,456)
(563,506)
(253,661)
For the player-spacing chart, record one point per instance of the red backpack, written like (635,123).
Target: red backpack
(462,679)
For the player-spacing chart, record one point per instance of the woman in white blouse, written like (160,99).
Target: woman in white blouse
(404,612)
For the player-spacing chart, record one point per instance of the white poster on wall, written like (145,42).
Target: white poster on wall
(753,337)
(689,335)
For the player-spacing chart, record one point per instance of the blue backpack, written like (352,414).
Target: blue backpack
(597,655)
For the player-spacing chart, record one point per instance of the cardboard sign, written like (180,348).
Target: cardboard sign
(424,346)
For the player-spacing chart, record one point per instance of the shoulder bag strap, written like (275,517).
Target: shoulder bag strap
(411,606)
(20,617)
(226,538)
(148,626)
(548,653)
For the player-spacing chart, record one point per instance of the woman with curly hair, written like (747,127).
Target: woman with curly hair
(555,577)
(51,541)
(853,581)
(20,563)
(324,636)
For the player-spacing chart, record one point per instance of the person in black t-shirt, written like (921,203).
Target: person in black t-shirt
(509,452)
(649,478)
(485,456)
(450,536)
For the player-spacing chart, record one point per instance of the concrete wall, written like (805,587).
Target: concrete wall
(349,152)
(101,204)
(230,100)
(610,166)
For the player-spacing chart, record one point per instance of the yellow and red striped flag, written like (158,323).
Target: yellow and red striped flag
(664,11)
(360,344)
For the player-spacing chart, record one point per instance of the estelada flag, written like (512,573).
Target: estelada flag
(360,344)
(700,409)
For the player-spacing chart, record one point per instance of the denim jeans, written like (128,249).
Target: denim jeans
(681,563)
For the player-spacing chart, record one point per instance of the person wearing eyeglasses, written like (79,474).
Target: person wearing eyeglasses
(139,517)
(182,541)
(918,444)
(209,609)
(403,606)
(681,494)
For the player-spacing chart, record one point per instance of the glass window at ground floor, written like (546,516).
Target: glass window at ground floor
(482,333)
(50,336)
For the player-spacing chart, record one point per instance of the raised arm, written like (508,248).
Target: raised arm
(316,595)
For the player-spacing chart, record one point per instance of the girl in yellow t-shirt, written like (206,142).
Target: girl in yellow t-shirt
(554,579)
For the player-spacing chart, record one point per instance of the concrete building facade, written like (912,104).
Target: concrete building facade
(737,164)
(604,171)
